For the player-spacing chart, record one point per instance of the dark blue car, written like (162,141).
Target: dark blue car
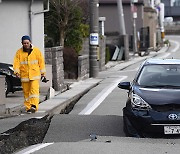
(12,83)
(153,104)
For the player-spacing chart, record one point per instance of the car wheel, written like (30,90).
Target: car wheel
(125,126)
(7,86)
(128,129)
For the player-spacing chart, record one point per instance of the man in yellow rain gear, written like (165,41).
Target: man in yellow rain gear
(29,66)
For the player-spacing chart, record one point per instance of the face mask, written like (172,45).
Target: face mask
(28,50)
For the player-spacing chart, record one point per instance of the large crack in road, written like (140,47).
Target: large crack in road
(29,132)
(25,134)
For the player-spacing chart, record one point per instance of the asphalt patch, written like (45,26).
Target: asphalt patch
(28,132)
(25,134)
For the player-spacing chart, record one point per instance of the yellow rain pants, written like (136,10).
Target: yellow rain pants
(31,93)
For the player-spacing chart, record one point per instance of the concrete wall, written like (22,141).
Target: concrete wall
(15,22)
(151,21)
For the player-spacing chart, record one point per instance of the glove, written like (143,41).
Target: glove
(17,75)
(43,79)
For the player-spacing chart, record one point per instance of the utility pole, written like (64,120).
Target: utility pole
(122,29)
(94,38)
(121,18)
(161,20)
(134,16)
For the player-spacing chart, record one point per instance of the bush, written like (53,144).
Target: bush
(167,42)
(70,63)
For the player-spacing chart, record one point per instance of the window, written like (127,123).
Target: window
(160,75)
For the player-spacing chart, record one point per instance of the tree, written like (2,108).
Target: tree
(63,16)
(74,33)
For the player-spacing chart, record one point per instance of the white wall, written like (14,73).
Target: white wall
(38,25)
(14,19)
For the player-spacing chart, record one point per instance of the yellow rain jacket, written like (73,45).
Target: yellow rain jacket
(30,67)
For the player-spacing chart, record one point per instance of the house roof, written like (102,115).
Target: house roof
(115,1)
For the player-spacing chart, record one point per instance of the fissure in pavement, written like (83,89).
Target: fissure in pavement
(27,133)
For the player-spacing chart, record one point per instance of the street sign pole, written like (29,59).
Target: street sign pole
(134,16)
(94,38)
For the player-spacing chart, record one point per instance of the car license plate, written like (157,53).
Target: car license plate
(171,129)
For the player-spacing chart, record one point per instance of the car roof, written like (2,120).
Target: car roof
(152,61)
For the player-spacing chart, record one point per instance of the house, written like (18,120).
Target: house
(172,17)
(172,9)
(109,9)
(18,18)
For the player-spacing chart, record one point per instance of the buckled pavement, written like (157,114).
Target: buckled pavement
(55,105)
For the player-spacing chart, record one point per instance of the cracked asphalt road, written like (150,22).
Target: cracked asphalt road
(23,135)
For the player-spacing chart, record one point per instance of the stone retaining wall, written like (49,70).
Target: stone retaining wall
(54,57)
(83,67)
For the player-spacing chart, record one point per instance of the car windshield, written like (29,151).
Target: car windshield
(165,75)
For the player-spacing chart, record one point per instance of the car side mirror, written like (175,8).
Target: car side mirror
(125,85)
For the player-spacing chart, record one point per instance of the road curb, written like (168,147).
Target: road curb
(60,102)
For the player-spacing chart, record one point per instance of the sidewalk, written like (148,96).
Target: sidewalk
(60,101)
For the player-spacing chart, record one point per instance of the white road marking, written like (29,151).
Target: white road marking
(165,55)
(38,117)
(92,105)
(133,70)
(34,148)
(176,44)
(40,111)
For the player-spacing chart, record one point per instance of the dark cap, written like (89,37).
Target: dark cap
(25,37)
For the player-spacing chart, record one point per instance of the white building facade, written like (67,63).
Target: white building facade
(18,18)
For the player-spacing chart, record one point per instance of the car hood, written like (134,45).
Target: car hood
(159,96)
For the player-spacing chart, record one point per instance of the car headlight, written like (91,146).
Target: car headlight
(138,103)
